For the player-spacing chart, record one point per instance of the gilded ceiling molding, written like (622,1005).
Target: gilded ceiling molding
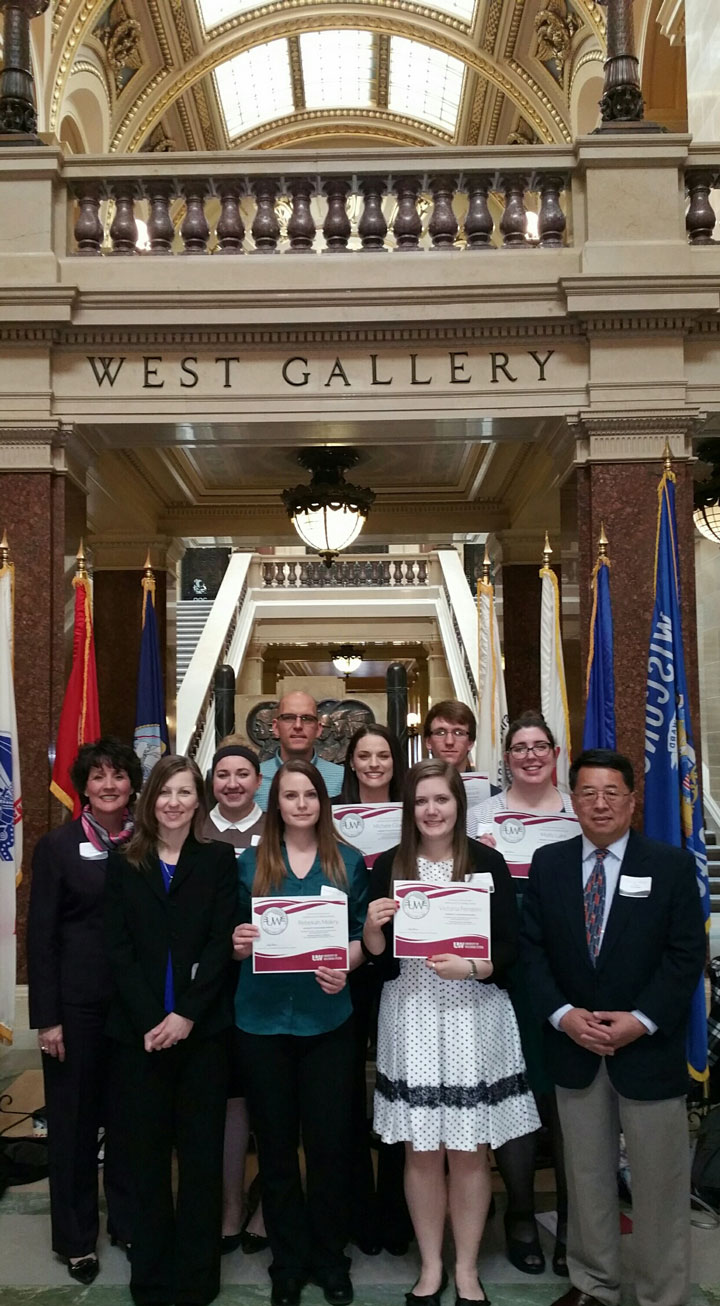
(476,113)
(492,25)
(279,7)
(87,66)
(379,122)
(514,28)
(379,22)
(202,109)
(182,113)
(383,71)
(296,73)
(590,56)
(187,44)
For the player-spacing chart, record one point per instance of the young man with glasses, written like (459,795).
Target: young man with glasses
(296,726)
(449,733)
(614,945)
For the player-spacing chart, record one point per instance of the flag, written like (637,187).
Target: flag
(492,703)
(599,728)
(10,808)
(673,805)
(553,694)
(151,738)
(80,716)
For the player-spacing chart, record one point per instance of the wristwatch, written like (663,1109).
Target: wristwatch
(473,970)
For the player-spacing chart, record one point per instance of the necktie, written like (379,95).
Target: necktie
(595,904)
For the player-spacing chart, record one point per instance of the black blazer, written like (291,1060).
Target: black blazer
(503,912)
(194,921)
(651,959)
(67,963)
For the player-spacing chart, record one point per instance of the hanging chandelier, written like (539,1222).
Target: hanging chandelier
(707,493)
(329,513)
(346,659)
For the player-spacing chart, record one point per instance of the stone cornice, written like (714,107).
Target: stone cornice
(128,552)
(34,449)
(268,337)
(634,437)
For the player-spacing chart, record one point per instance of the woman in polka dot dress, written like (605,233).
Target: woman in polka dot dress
(451,1079)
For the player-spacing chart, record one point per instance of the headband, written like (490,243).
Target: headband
(236,750)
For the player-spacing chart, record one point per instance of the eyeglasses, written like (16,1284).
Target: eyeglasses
(540,749)
(441,733)
(611,796)
(289,718)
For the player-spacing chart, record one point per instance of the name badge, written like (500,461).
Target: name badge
(254,840)
(635,886)
(90,853)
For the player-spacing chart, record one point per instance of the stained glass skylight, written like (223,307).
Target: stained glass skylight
(255,87)
(425,83)
(337,69)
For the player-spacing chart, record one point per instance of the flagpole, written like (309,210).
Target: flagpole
(11,861)
(148,586)
(553,690)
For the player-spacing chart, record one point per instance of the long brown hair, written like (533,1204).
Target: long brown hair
(270,868)
(147,835)
(405,860)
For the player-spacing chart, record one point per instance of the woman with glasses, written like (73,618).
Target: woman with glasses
(297,1043)
(450,1073)
(530,754)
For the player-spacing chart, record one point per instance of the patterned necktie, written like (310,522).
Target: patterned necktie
(594,894)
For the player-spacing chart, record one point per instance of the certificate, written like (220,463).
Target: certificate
(518,834)
(369,827)
(435,918)
(477,790)
(300,934)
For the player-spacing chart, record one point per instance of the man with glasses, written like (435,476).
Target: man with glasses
(297,726)
(614,943)
(449,733)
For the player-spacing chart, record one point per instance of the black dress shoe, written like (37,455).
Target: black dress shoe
(337,1287)
(574,1297)
(253,1242)
(430,1298)
(230,1242)
(559,1259)
(368,1245)
(396,1246)
(84,1270)
(286,1290)
(471,1301)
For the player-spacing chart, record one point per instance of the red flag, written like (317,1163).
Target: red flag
(80,716)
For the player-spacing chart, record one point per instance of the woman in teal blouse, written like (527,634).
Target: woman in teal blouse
(297,1043)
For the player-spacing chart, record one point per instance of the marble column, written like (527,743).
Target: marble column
(40,510)
(117,575)
(619,468)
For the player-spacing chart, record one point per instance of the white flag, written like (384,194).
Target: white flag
(553,693)
(492,709)
(10,810)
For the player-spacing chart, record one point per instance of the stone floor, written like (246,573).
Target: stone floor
(30,1273)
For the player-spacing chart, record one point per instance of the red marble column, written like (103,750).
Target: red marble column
(624,497)
(521,635)
(117,597)
(32,510)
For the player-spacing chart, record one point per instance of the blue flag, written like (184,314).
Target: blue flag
(151,737)
(599,728)
(673,809)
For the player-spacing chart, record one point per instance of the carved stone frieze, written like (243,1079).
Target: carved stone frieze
(33,449)
(634,437)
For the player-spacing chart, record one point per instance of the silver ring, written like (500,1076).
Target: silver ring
(42,1049)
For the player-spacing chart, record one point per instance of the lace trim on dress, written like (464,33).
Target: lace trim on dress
(452,1095)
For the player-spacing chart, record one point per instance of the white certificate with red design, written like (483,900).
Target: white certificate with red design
(477,790)
(369,827)
(437,918)
(518,835)
(300,934)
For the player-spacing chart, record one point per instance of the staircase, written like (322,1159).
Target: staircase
(191,617)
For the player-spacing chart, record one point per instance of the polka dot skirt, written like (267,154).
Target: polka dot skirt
(450,1068)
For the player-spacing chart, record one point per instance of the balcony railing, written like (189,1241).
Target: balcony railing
(320,202)
(702,187)
(345,573)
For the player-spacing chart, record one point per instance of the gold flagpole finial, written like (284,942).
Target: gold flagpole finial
(547,551)
(4,549)
(602,542)
(667,457)
(486,566)
(148,566)
(81,569)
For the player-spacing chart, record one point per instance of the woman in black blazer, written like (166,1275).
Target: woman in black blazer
(70,989)
(170,911)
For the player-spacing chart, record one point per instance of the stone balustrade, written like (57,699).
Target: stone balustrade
(350,572)
(702,188)
(320,201)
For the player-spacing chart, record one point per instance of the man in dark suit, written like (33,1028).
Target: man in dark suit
(614,942)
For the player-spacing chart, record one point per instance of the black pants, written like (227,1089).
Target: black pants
(80,1096)
(299,1084)
(177,1098)
(382,1215)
